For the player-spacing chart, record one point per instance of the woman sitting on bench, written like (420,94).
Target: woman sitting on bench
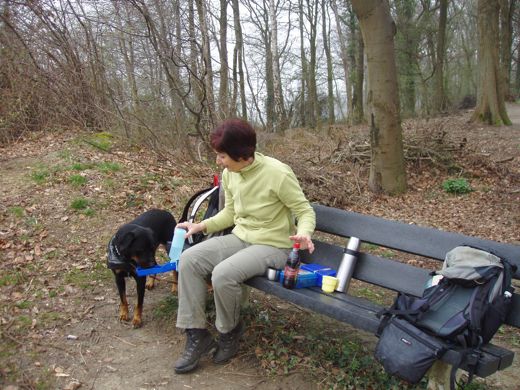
(263,197)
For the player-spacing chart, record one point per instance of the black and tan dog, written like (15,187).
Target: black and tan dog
(135,244)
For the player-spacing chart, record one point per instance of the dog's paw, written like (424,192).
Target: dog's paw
(123,313)
(137,322)
(150,283)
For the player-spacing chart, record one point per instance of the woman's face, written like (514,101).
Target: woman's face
(225,161)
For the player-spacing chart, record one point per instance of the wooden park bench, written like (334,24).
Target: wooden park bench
(388,273)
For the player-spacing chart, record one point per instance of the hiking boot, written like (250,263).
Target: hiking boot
(228,344)
(198,343)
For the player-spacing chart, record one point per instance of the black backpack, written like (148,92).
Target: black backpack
(202,205)
(462,307)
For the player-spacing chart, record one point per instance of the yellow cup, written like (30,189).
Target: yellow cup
(329,283)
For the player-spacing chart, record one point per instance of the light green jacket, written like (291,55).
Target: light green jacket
(262,201)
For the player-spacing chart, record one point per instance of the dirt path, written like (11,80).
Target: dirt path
(60,320)
(59,303)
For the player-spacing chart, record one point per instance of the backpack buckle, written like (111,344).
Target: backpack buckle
(472,358)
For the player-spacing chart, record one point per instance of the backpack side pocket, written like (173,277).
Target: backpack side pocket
(406,351)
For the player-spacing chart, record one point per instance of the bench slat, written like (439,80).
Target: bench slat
(382,272)
(361,314)
(355,311)
(418,240)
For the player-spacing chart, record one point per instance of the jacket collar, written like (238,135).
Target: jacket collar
(258,160)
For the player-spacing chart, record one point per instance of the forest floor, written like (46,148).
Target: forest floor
(63,195)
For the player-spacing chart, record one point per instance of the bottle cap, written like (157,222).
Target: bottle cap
(296,245)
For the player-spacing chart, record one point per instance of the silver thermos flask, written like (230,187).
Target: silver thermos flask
(348,263)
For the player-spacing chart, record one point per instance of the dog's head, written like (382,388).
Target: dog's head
(137,245)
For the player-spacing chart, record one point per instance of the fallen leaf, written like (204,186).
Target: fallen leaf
(73,385)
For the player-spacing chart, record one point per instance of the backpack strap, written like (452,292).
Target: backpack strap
(186,210)
(470,355)
(400,309)
(509,270)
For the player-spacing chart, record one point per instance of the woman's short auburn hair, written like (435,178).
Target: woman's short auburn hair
(235,137)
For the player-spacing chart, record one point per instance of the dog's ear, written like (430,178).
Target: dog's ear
(125,241)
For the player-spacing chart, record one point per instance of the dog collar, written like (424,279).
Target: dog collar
(114,258)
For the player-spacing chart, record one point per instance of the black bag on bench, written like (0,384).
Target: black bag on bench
(406,351)
(470,301)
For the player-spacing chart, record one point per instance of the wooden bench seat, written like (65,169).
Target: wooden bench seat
(388,273)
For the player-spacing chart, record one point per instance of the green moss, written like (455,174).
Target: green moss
(17,211)
(79,204)
(108,167)
(12,278)
(77,180)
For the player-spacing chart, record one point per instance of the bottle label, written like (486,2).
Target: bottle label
(290,272)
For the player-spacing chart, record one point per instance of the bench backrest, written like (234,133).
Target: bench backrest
(417,240)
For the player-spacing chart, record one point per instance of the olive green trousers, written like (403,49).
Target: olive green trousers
(230,261)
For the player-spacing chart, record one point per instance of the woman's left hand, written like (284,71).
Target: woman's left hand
(304,240)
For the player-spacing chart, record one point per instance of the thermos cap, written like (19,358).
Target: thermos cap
(272,274)
(353,244)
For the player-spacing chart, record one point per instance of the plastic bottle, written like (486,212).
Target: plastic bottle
(177,245)
(348,263)
(292,266)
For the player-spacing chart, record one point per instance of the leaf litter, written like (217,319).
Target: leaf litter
(59,303)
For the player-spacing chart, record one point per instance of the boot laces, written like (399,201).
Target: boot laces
(227,340)
(192,342)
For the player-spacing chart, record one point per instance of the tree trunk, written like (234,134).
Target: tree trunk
(224,66)
(207,70)
(239,60)
(357,77)
(406,50)
(387,171)
(127,52)
(344,55)
(490,100)
(269,86)
(279,120)
(303,80)
(506,41)
(170,52)
(313,107)
(439,103)
(517,73)
(330,76)
(358,113)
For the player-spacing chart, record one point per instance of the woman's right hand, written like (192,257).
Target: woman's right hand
(192,228)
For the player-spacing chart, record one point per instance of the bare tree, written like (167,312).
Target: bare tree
(358,111)
(206,56)
(506,40)
(238,61)
(328,56)
(406,51)
(304,67)
(344,54)
(491,107)
(223,95)
(387,172)
(440,102)
(311,13)
(280,116)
